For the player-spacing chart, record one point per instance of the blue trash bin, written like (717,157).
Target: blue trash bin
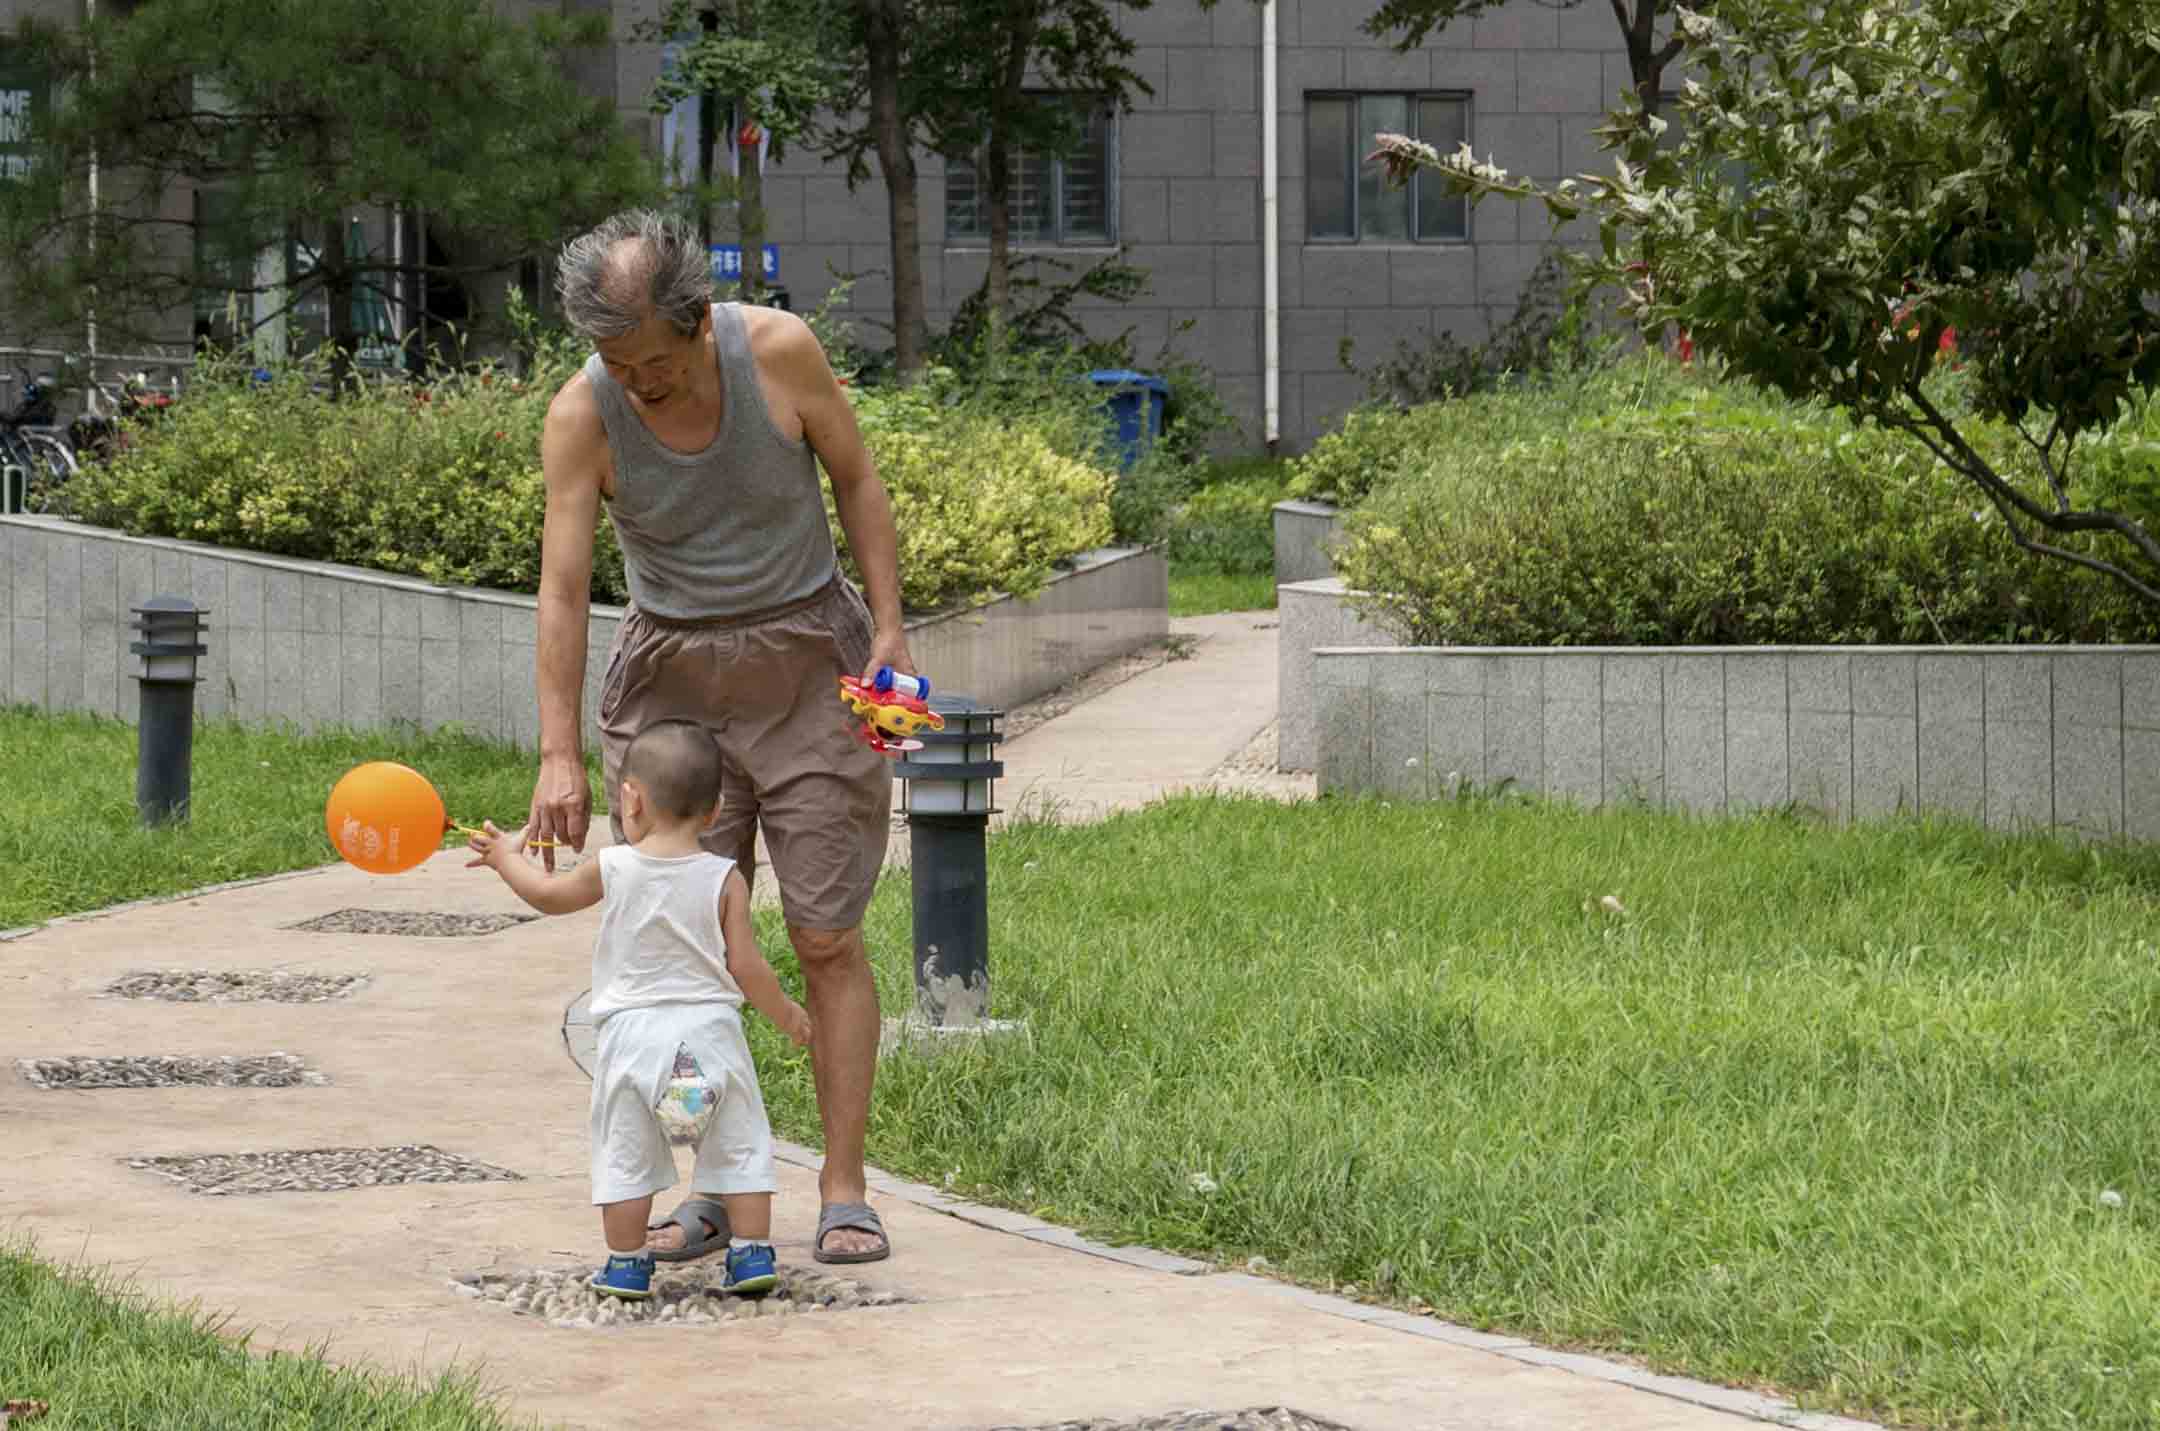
(1135,402)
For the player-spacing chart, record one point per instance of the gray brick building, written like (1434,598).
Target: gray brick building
(1183,181)
(1180,184)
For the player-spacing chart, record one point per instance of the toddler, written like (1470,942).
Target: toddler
(674,962)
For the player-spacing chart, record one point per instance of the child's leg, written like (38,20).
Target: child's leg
(631,1159)
(623,1223)
(735,1157)
(749,1215)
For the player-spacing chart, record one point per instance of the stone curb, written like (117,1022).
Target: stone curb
(1747,1404)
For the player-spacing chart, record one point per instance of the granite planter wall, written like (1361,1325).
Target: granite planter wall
(2033,737)
(1312,614)
(1303,531)
(315,644)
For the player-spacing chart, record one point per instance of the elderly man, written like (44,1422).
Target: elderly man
(700,427)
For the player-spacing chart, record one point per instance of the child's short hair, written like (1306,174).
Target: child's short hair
(678,764)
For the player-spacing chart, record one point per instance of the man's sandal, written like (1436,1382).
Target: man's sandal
(857,1217)
(693,1217)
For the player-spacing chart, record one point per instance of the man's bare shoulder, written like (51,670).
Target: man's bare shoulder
(575,408)
(573,441)
(779,340)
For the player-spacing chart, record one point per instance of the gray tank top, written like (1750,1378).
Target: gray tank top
(735,529)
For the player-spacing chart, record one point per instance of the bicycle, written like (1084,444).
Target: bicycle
(102,429)
(36,457)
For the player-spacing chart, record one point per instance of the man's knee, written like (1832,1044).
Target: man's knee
(827,948)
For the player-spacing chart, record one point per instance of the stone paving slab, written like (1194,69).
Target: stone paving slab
(456,1044)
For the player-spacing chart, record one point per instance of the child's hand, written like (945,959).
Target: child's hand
(490,848)
(794,1021)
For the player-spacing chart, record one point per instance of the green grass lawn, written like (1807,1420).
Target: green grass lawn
(1221,541)
(1863,1115)
(70,839)
(1833,1111)
(107,1360)
(1199,590)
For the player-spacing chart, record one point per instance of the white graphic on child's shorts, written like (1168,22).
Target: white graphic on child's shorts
(688,1100)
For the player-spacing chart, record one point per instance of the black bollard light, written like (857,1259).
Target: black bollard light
(948,801)
(171,628)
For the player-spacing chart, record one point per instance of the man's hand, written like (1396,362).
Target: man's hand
(561,809)
(889,648)
(794,1021)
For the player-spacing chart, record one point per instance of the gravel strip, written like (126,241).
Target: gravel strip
(1259,1418)
(320,1169)
(261,1070)
(682,1295)
(232,986)
(1252,771)
(410,923)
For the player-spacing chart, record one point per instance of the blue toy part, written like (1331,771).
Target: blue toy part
(889,681)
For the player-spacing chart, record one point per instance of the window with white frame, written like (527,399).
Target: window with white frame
(1056,198)
(1348,200)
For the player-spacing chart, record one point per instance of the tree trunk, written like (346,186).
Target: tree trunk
(750,208)
(708,134)
(1011,79)
(998,280)
(337,281)
(1644,67)
(750,180)
(883,27)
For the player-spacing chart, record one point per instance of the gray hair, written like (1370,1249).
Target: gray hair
(636,264)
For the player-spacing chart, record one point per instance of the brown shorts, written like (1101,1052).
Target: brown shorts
(766,685)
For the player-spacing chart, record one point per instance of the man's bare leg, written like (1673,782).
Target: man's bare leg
(842,997)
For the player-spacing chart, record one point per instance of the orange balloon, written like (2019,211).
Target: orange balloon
(385,817)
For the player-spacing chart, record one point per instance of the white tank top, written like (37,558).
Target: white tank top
(660,940)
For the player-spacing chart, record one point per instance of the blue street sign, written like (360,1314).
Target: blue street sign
(727,263)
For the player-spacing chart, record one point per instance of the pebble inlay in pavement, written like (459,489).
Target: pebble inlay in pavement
(320,1169)
(260,1070)
(681,1295)
(410,923)
(1260,1418)
(233,986)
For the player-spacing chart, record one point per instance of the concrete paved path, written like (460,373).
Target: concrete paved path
(456,1043)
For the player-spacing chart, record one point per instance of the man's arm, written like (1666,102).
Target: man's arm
(865,509)
(573,449)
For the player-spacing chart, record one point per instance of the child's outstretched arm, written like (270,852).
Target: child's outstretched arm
(746,963)
(550,893)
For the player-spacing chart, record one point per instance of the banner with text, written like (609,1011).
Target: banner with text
(24,93)
(727,263)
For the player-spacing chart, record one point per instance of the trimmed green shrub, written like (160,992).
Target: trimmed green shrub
(1715,515)
(1228,524)
(982,506)
(1378,442)
(442,480)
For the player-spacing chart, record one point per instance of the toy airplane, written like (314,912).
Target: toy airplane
(892,710)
